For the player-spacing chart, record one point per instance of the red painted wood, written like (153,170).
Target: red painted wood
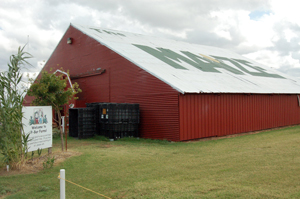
(226,114)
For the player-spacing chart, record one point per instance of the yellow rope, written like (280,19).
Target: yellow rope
(83,187)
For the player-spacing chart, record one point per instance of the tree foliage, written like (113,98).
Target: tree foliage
(51,90)
(11,100)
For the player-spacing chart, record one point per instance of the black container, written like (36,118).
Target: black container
(73,122)
(82,122)
(116,120)
(95,105)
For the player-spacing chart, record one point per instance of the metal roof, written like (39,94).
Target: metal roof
(192,68)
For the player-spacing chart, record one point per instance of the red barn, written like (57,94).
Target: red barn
(185,91)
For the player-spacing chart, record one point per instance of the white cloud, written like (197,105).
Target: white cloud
(267,31)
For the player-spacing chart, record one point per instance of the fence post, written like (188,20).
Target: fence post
(62,184)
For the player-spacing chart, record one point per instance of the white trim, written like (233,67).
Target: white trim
(67,76)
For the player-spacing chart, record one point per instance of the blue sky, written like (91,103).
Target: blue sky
(258,14)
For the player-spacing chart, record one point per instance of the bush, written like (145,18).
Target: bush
(55,133)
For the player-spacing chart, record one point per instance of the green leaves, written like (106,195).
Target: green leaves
(11,100)
(51,90)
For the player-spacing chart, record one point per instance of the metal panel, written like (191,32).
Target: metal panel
(158,101)
(192,68)
(207,115)
(158,115)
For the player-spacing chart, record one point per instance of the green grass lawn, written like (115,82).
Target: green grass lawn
(263,165)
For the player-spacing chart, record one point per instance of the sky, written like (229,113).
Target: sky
(267,31)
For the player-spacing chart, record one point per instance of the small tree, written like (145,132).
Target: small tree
(12,146)
(51,90)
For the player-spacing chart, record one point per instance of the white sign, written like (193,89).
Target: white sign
(37,122)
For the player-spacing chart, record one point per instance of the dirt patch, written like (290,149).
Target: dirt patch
(35,165)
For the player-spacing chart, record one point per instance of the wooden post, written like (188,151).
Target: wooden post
(66,137)
(49,150)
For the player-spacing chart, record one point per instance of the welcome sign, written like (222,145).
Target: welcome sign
(37,122)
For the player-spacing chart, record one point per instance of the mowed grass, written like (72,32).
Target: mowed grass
(263,165)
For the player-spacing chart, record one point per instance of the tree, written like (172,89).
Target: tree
(51,90)
(12,139)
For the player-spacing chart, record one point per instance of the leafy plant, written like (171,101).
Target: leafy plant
(49,162)
(55,133)
(25,140)
(40,152)
(32,154)
(11,98)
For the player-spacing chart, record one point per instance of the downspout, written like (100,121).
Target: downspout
(67,76)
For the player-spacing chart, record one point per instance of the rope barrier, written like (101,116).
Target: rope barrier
(83,187)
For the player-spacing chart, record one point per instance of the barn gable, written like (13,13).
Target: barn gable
(105,76)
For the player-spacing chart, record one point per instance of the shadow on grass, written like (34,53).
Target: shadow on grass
(121,140)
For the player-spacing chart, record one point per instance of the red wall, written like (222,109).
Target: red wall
(165,114)
(122,82)
(207,115)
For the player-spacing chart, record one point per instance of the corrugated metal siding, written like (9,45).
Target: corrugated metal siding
(158,101)
(122,82)
(158,115)
(207,115)
(94,88)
